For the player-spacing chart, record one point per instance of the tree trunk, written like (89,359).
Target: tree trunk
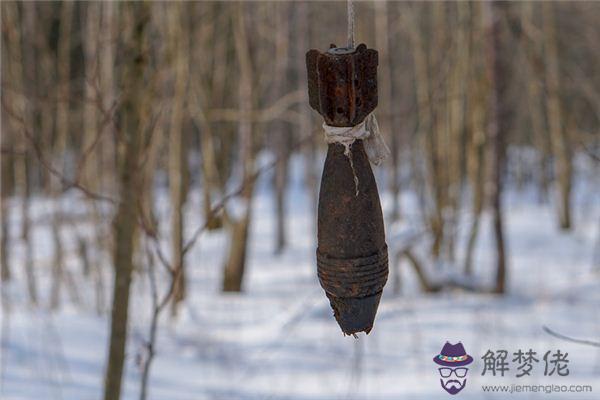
(5,170)
(455,145)
(477,164)
(16,104)
(124,223)
(311,177)
(498,129)
(535,100)
(558,135)
(91,147)
(439,144)
(90,115)
(7,162)
(106,74)
(46,87)
(60,145)
(427,129)
(384,107)
(280,130)
(204,96)
(179,43)
(90,143)
(239,224)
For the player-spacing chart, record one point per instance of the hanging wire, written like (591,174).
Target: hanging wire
(350,24)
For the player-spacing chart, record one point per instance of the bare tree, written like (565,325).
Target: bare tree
(498,128)
(106,77)
(238,222)
(90,104)
(558,135)
(385,110)
(535,77)
(15,103)
(124,223)
(311,177)
(60,145)
(280,131)
(477,160)
(179,42)
(158,305)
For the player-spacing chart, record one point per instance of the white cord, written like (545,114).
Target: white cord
(368,132)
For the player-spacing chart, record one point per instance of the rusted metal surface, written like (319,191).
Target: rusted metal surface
(342,86)
(352,254)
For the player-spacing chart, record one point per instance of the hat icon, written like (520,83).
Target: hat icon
(453,355)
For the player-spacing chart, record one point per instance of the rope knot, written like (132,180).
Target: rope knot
(367,131)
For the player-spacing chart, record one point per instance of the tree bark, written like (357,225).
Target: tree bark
(106,74)
(6,163)
(60,145)
(280,130)
(239,224)
(427,128)
(532,50)
(15,98)
(214,97)
(498,129)
(124,223)
(558,135)
(90,106)
(384,107)
(439,145)
(457,94)
(477,162)
(179,43)
(311,177)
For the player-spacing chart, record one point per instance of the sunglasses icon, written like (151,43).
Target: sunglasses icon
(459,372)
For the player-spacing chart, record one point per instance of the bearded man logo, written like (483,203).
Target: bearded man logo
(453,372)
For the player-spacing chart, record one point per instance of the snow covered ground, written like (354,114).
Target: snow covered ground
(278,339)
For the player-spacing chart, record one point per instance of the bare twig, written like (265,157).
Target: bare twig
(107,118)
(274,111)
(158,305)
(216,208)
(570,339)
(67,184)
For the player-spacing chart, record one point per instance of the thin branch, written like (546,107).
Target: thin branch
(11,152)
(157,308)
(570,339)
(42,159)
(274,111)
(107,119)
(251,179)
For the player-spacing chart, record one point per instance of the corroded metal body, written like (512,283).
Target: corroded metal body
(342,85)
(352,254)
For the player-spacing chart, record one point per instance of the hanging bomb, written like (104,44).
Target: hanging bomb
(352,260)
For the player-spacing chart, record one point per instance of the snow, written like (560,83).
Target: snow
(278,339)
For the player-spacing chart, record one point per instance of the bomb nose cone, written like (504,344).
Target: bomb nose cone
(355,314)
